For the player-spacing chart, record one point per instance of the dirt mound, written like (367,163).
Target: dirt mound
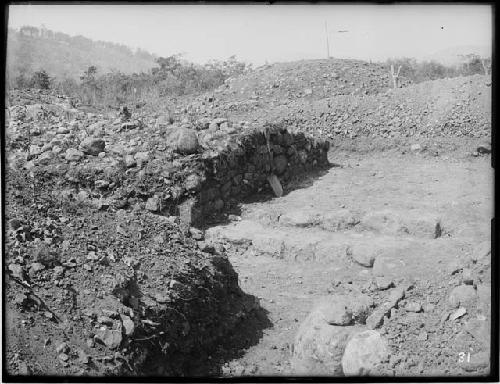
(125,291)
(94,289)
(448,107)
(314,79)
(89,261)
(342,98)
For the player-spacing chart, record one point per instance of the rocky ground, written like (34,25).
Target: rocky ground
(379,264)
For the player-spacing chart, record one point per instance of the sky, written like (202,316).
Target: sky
(260,33)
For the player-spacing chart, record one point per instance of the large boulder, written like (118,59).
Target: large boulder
(92,146)
(363,353)
(321,339)
(183,140)
(319,347)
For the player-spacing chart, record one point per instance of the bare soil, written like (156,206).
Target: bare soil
(455,188)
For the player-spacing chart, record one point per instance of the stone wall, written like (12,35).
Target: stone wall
(242,170)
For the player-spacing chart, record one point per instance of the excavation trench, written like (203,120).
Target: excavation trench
(218,320)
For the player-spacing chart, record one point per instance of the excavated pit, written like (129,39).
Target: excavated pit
(96,260)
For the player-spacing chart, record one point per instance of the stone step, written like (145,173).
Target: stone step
(412,222)
(388,255)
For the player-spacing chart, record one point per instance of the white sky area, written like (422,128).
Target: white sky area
(258,33)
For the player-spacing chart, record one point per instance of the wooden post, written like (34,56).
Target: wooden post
(485,68)
(395,76)
(327,43)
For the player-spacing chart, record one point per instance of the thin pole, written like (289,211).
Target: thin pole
(327,43)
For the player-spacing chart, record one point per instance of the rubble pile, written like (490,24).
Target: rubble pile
(359,103)
(460,109)
(121,164)
(99,257)
(384,326)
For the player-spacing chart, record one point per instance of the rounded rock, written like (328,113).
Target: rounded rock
(318,347)
(92,146)
(187,141)
(363,353)
(461,295)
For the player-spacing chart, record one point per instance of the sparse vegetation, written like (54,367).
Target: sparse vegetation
(109,74)
(431,70)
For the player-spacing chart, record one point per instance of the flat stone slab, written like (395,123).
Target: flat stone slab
(411,222)
(389,256)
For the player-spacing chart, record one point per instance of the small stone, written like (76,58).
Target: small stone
(161,298)
(58,272)
(482,251)
(275,184)
(153,204)
(280,163)
(362,255)
(23,369)
(20,298)
(196,234)
(458,313)
(335,311)
(462,294)
(83,357)
(479,328)
(110,313)
(484,148)
(422,336)
(92,146)
(467,276)
(376,319)
(128,325)
(105,320)
(141,157)
(415,147)
(14,224)
(395,296)
(63,357)
(384,283)
(429,307)
(35,268)
(73,154)
(111,338)
(129,161)
(101,184)
(193,182)
(17,271)
(62,348)
(413,307)
(48,315)
(187,141)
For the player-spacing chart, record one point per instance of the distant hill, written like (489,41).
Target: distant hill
(30,49)
(452,56)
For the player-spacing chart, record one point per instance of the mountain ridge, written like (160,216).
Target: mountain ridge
(31,49)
